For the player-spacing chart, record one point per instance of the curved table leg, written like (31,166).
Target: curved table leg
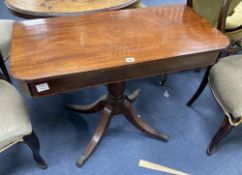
(132,97)
(130,114)
(92,108)
(116,102)
(99,133)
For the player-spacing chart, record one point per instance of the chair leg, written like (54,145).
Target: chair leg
(33,142)
(1,75)
(222,132)
(200,88)
(198,70)
(163,80)
(4,69)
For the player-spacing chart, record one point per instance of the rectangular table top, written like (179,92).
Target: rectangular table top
(56,47)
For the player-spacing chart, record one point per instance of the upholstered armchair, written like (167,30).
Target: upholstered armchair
(15,125)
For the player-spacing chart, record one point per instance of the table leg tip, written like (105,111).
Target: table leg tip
(164,137)
(210,151)
(80,162)
(43,165)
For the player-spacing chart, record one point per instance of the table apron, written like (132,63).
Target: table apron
(124,73)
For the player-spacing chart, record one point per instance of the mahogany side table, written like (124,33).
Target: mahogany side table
(50,56)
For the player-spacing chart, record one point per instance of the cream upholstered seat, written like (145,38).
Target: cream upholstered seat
(225,79)
(14,117)
(15,125)
(6,27)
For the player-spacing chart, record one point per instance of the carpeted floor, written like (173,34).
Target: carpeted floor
(64,134)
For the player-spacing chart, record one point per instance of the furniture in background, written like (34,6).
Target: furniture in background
(219,13)
(43,8)
(14,118)
(226,85)
(110,48)
(223,15)
(15,125)
(233,26)
(136,5)
(5,40)
(233,21)
(225,76)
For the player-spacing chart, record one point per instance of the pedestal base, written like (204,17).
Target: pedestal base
(116,102)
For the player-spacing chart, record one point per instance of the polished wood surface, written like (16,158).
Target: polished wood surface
(103,41)
(60,54)
(93,49)
(65,7)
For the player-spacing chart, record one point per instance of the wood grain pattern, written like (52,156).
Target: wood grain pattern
(65,7)
(93,48)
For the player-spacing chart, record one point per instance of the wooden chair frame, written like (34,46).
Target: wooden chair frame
(4,69)
(222,16)
(234,47)
(31,140)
